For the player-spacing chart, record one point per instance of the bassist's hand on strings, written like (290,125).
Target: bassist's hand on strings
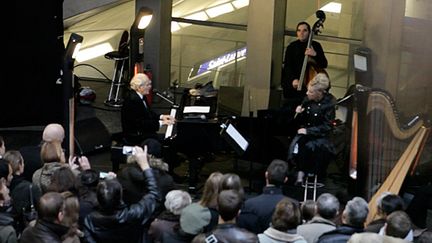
(295,83)
(310,52)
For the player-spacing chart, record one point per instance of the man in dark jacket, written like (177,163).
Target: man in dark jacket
(139,121)
(327,209)
(115,221)
(7,231)
(353,219)
(48,227)
(257,212)
(24,195)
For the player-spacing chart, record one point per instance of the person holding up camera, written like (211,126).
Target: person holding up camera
(114,221)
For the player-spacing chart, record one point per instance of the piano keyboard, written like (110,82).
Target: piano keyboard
(169,130)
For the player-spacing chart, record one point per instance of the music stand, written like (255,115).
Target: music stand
(233,137)
(238,143)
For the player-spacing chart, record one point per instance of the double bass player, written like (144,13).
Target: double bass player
(295,54)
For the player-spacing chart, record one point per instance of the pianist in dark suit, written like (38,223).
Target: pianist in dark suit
(139,121)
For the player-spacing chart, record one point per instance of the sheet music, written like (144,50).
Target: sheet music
(238,138)
(360,62)
(196,109)
(169,129)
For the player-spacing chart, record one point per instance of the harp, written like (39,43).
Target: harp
(383,150)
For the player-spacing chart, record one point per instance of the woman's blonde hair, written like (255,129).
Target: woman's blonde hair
(71,209)
(15,159)
(52,152)
(211,190)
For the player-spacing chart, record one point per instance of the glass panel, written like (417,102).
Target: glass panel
(101,35)
(414,85)
(343,25)
(348,23)
(225,11)
(219,52)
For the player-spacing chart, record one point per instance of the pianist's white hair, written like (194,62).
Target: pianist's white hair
(138,80)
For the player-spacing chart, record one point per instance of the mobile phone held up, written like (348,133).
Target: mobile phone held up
(76,160)
(103,175)
(128,150)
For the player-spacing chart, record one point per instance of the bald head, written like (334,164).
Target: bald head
(53,132)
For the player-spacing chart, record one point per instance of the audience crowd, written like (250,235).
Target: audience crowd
(65,200)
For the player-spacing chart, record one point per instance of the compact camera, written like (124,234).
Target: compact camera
(128,150)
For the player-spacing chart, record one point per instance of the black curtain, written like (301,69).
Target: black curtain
(30,93)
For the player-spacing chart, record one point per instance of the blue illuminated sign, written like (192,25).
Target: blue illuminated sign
(219,61)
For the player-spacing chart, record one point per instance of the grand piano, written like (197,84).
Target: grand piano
(197,136)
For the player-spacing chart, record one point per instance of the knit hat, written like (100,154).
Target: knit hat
(154,147)
(194,218)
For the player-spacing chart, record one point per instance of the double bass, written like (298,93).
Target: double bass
(310,69)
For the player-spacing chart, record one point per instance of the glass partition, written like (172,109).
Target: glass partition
(200,59)
(200,43)
(340,37)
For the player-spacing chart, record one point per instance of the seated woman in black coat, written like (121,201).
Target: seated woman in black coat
(311,148)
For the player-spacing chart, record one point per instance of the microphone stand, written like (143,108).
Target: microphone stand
(165,98)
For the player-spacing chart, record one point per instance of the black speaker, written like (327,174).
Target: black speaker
(91,135)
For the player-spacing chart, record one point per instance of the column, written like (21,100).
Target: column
(265,37)
(383,35)
(157,41)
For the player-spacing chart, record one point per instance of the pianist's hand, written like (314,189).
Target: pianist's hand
(168,120)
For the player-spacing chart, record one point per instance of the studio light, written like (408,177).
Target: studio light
(143,18)
(137,32)
(71,52)
(72,49)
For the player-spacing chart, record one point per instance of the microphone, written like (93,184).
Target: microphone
(303,104)
(165,93)
(163,96)
(155,91)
